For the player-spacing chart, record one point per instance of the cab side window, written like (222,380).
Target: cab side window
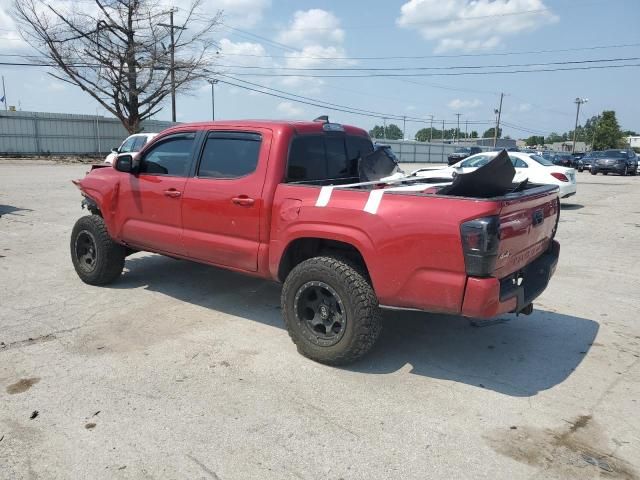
(229,155)
(171,156)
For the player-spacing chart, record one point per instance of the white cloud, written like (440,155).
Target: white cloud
(243,53)
(317,35)
(312,27)
(472,25)
(10,39)
(241,13)
(458,104)
(289,109)
(524,107)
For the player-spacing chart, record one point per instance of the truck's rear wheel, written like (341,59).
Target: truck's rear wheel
(330,310)
(98,260)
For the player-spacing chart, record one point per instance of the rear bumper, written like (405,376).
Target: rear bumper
(567,189)
(610,168)
(488,297)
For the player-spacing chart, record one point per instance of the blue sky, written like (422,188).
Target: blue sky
(535,103)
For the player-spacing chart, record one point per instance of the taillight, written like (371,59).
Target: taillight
(560,176)
(480,241)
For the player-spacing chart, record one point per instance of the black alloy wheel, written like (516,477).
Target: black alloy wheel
(86,251)
(320,311)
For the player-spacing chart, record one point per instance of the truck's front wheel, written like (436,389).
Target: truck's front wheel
(330,310)
(98,260)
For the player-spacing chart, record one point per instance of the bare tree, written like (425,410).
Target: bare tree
(120,51)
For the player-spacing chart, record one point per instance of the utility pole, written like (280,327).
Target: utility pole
(457,136)
(213,99)
(404,127)
(172,53)
(431,130)
(466,129)
(384,131)
(498,112)
(443,132)
(578,101)
(4,94)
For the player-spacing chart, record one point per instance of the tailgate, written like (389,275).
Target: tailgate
(527,224)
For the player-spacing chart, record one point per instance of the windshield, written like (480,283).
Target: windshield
(463,150)
(542,161)
(615,154)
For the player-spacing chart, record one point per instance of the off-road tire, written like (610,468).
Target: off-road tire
(593,171)
(363,316)
(109,255)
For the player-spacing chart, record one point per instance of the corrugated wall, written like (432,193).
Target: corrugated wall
(33,133)
(409,151)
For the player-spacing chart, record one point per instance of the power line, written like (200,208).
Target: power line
(367,75)
(325,103)
(437,74)
(450,67)
(418,57)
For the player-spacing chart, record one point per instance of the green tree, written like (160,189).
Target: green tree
(377,132)
(534,140)
(424,134)
(393,132)
(474,134)
(555,137)
(489,133)
(607,132)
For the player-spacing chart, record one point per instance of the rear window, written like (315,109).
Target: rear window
(615,154)
(326,157)
(542,161)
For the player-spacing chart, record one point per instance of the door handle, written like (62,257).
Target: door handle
(243,201)
(172,192)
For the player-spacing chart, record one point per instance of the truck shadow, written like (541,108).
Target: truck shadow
(520,356)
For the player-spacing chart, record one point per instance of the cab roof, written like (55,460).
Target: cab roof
(298,126)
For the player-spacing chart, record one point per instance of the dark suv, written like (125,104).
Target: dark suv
(462,153)
(622,162)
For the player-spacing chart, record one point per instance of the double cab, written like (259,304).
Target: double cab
(284,201)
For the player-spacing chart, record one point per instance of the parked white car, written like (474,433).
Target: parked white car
(132,143)
(528,166)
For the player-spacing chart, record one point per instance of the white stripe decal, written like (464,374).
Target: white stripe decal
(375,197)
(324,197)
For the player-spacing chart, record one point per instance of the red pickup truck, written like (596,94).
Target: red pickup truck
(284,201)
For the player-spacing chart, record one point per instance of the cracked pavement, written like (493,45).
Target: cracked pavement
(180,370)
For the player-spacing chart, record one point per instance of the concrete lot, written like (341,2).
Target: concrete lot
(185,371)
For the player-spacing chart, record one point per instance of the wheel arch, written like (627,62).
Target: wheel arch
(303,248)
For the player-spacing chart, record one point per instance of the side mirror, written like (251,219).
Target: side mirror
(124,163)
(115,149)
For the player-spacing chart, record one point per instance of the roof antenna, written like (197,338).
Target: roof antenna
(322,118)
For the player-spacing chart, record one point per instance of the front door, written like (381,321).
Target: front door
(222,203)
(151,200)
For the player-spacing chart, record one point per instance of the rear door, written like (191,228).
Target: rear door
(151,201)
(222,203)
